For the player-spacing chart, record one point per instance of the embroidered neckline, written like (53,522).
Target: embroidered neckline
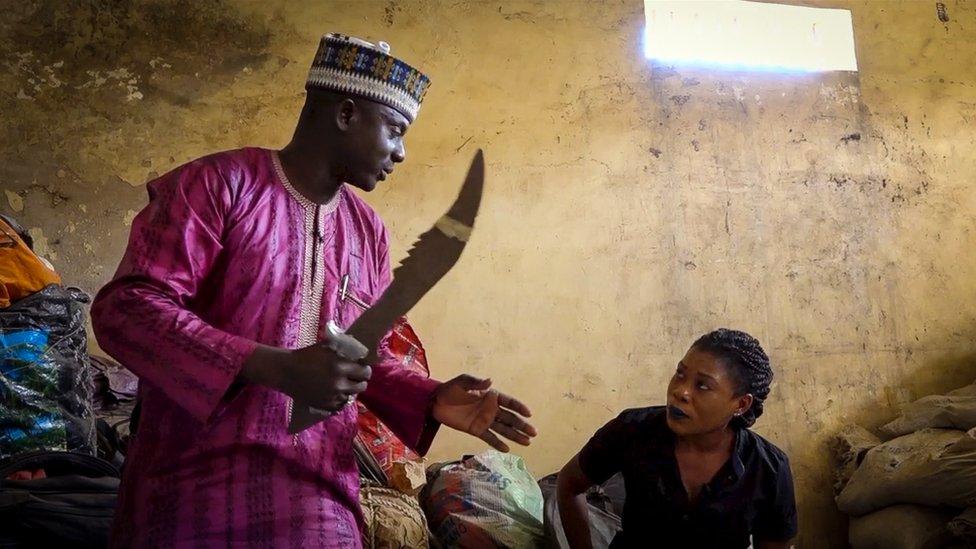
(326,208)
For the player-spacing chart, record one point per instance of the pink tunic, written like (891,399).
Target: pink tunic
(222,258)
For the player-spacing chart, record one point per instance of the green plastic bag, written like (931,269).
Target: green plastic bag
(488,500)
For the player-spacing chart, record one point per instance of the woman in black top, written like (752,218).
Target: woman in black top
(695,475)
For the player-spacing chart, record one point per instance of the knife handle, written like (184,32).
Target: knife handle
(345,347)
(343,344)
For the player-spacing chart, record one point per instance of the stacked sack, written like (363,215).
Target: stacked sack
(915,487)
(54,490)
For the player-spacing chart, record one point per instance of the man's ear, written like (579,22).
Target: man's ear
(346,114)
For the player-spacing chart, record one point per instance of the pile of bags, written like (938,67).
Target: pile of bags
(487,500)
(45,378)
(915,486)
(54,490)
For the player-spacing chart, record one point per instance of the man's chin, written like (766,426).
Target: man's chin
(365,184)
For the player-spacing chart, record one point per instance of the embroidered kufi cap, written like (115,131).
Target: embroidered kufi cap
(351,65)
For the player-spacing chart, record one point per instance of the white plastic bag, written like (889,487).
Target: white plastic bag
(488,500)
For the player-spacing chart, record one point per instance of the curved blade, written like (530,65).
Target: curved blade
(429,259)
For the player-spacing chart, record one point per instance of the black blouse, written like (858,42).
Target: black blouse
(752,495)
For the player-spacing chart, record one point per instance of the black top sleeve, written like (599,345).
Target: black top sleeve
(602,457)
(777,517)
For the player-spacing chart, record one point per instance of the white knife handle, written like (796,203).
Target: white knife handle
(345,347)
(343,344)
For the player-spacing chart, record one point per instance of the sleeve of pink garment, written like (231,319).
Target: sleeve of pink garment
(142,318)
(401,398)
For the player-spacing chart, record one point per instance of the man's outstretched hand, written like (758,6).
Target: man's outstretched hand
(469,404)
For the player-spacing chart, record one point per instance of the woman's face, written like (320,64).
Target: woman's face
(702,395)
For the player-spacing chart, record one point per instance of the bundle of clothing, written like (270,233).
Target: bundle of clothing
(914,486)
(54,489)
(45,378)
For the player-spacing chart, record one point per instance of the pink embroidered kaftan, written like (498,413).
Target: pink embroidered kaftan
(220,259)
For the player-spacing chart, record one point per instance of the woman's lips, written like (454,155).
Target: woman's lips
(676,413)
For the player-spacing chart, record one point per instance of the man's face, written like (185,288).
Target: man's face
(375,144)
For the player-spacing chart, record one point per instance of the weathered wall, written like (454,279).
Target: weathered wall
(630,207)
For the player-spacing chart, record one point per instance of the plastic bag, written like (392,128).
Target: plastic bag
(605,504)
(488,500)
(45,378)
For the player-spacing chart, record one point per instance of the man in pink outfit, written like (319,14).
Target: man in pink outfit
(230,277)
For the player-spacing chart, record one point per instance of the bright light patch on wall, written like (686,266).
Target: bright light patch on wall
(749,35)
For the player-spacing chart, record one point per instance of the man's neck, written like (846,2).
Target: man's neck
(309,174)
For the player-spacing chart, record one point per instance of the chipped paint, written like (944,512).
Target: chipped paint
(15,200)
(159,63)
(842,95)
(42,246)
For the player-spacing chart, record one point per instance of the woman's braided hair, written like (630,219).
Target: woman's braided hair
(748,364)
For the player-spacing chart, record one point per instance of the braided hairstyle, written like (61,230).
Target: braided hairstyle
(748,363)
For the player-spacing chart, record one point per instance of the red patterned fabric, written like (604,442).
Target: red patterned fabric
(405,346)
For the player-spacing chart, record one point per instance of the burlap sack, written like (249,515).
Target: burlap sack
(393,520)
(932,467)
(901,527)
(849,447)
(955,410)
(963,526)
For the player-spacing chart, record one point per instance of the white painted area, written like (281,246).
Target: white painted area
(749,35)
(15,200)
(41,247)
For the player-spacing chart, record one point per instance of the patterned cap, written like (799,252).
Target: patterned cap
(357,67)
